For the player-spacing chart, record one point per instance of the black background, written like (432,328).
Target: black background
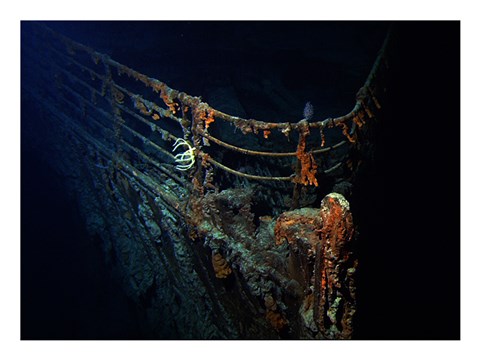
(410,250)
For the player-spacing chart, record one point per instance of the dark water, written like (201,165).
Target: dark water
(409,287)
(67,291)
(408,206)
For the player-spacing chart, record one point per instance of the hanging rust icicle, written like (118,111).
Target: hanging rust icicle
(308,167)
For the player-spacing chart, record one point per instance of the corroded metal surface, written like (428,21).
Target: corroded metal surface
(321,260)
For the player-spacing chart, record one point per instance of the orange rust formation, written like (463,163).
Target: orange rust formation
(298,224)
(166,97)
(322,134)
(334,291)
(359,120)
(319,242)
(346,132)
(220,266)
(209,118)
(308,170)
(337,223)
